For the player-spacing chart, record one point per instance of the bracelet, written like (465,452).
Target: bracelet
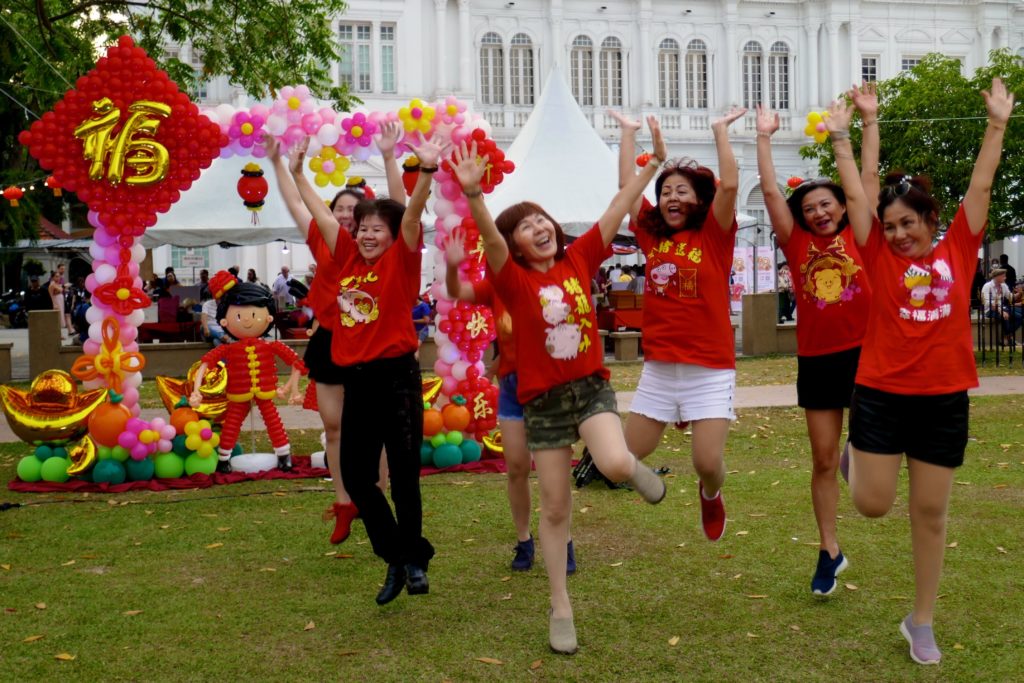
(763,134)
(473,195)
(872,122)
(428,169)
(839,135)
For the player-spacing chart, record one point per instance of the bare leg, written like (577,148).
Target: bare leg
(555,516)
(382,481)
(330,400)
(708,452)
(824,427)
(643,434)
(930,487)
(603,436)
(518,461)
(873,480)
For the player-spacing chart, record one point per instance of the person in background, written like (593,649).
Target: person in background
(235,270)
(250,276)
(787,302)
(996,298)
(36,297)
(55,288)
(209,322)
(636,285)
(421,318)
(280,289)
(1011,272)
(204,285)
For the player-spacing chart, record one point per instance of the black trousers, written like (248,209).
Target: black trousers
(384,408)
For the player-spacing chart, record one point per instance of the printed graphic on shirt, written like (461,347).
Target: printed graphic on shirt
(828,274)
(668,277)
(928,291)
(565,310)
(357,306)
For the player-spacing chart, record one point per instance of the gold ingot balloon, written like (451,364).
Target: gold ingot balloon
(431,388)
(213,391)
(493,442)
(82,456)
(51,410)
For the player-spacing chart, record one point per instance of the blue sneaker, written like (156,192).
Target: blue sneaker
(824,581)
(523,560)
(570,560)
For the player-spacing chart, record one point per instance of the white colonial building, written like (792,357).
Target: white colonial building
(686,61)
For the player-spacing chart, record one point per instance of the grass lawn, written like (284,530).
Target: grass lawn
(239,582)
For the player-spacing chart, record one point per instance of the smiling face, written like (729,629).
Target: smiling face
(344,210)
(535,239)
(373,238)
(822,212)
(907,232)
(677,199)
(246,322)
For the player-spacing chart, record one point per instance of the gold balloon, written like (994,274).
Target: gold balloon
(51,410)
(213,390)
(82,456)
(493,442)
(431,388)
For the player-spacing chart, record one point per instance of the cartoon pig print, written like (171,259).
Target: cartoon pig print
(563,339)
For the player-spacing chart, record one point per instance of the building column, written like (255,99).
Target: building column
(734,77)
(812,66)
(465,49)
(833,61)
(557,48)
(644,95)
(441,85)
(376,78)
(855,74)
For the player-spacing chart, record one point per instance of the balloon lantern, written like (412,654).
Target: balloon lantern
(643,159)
(54,185)
(252,188)
(13,194)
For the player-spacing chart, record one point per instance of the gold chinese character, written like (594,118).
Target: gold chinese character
(681,249)
(572,286)
(481,409)
(664,247)
(147,157)
(584,344)
(477,325)
(695,255)
(582,304)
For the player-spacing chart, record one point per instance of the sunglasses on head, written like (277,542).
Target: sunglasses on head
(891,192)
(678,163)
(814,182)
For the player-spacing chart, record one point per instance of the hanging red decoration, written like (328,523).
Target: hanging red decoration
(252,188)
(13,194)
(643,159)
(52,183)
(410,173)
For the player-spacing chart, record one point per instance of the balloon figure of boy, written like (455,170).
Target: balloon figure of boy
(246,311)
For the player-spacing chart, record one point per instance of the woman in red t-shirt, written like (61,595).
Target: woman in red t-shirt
(322,299)
(689,372)
(832,300)
(563,384)
(917,361)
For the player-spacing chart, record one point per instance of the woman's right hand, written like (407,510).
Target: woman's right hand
(468,167)
(839,115)
(298,156)
(454,247)
(272,146)
(998,102)
(767,120)
(627,125)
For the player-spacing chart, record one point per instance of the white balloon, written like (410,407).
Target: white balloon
(443,207)
(459,369)
(138,253)
(440,338)
(136,318)
(96,332)
(133,380)
(94,314)
(224,114)
(105,273)
(276,124)
(96,251)
(452,220)
(328,134)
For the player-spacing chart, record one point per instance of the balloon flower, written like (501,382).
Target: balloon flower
(359,130)
(200,437)
(417,116)
(329,167)
(816,126)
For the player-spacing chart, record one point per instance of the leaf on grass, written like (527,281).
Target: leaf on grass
(756,514)
(211,546)
(209,514)
(506,596)
(506,578)
(132,612)
(951,545)
(280,494)
(536,664)
(165,526)
(751,635)
(67,564)
(742,533)
(615,564)
(673,641)
(733,472)
(87,557)
(850,586)
(40,605)
(64,657)
(489,660)
(148,512)
(309,627)
(32,639)
(727,556)
(757,597)
(999,486)
(330,553)
(963,483)
(957,646)
(1001,549)
(794,627)
(223,528)
(682,545)
(343,556)
(775,483)
(268,569)
(585,509)
(468,540)
(6,567)
(737,576)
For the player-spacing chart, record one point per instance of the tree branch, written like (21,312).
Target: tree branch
(99,3)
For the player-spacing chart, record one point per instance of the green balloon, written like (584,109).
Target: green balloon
(55,470)
(178,445)
(169,466)
(237,450)
(454,438)
(108,471)
(43,452)
(426,454)
(438,440)
(470,450)
(103,452)
(447,455)
(119,453)
(30,468)
(139,470)
(60,452)
(196,464)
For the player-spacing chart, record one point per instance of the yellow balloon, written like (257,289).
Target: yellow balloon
(51,410)
(328,153)
(321,179)
(82,456)
(342,164)
(810,129)
(814,118)
(315,164)
(338,178)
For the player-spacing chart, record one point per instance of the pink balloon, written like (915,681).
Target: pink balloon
(451,191)
(449,385)
(90,347)
(442,369)
(130,396)
(128,335)
(444,306)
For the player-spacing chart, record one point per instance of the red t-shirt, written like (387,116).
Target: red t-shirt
(554,324)
(374,303)
(485,295)
(918,339)
(323,297)
(832,291)
(686,293)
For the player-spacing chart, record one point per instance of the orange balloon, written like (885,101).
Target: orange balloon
(456,417)
(181,417)
(107,422)
(432,422)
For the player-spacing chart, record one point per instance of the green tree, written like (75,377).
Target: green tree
(45,45)
(932,119)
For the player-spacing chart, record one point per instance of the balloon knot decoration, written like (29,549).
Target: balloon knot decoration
(359,130)
(112,362)
(453,111)
(123,294)
(13,194)
(329,167)
(816,127)
(417,116)
(252,188)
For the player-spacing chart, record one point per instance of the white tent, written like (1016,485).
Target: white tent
(562,164)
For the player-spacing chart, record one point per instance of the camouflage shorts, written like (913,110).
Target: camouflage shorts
(553,418)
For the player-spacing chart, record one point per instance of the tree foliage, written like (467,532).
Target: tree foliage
(45,45)
(932,120)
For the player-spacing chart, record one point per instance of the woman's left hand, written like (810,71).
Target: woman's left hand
(839,114)
(730,116)
(428,152)
(998,102)
(865,98)
(660,148)
(298,156)
(388,137)
(469,168)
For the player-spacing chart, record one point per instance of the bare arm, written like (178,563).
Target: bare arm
(469,170)
(999,103)
(724,204)
(627,150)
(630,194)
(865,99)
(857,210)
(428,154)
(778,211)
(386,140)
(455,254)
(286,186)
(321,213)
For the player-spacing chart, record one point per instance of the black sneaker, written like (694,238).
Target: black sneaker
(525,550)
(585,471)
(824,581)
(570,560)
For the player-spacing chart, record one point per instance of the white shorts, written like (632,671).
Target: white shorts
(678,392)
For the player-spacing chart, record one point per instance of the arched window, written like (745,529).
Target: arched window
(778,76)
(697,75)
(520,56)
(668,74)
(752,66)
(581,65)
(492,87)
(611,72)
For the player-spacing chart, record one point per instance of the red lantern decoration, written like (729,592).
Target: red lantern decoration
(794,182)
(13,194)
(643,159)
(410,173)
(252,188)
(52,183)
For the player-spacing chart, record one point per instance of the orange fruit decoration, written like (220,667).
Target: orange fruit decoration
(432,422)
(108,421)
(456,415)
(182,415)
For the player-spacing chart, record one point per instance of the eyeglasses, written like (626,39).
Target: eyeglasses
(891,192)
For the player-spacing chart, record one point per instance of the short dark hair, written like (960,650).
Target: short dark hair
(389,210)
(701,178)
(246,294)
(914,191)
(795,201)
(508,219)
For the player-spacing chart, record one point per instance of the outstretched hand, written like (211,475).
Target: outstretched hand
(660,148)
(428,152)
(455,247)
(272,146)
(839,115)
(297,156)
(767,120)
(626,124)
(730,116)
(388,136)
(469,168)
(865,99)
(998,102)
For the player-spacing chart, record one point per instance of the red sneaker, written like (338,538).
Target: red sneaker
(343,515)
(712,515)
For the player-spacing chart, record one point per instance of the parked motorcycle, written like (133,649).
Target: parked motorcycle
(12,304)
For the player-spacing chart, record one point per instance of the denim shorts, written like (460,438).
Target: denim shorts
(553,418)
(509,407)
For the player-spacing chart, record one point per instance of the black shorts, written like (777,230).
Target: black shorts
(931,429)
(826,382)
(322,369)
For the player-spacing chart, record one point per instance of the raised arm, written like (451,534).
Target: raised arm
(724,204)
(629,195)
(321,213)
(286,186)
(865,99)
(857,210)
(999,103)
(778,210)
(469,170)
(428,153)
(454,255)
(386,140)
(627,152)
